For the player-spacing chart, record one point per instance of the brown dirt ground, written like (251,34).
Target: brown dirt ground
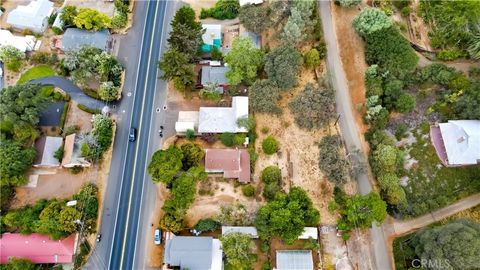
(78,117)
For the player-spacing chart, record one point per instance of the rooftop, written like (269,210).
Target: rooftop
(252,231)
(233,163)
(193,253)
(72,153)
(26,43)
(294,260)
(37,247)
(46,147)
(73,39)
(214,74)
(212,32)
(31,16)
(223,119)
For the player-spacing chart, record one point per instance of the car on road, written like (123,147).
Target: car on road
(157,237)
(132,135)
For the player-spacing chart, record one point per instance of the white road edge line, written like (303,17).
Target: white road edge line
(126,148)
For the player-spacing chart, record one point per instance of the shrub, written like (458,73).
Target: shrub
(269,191)
(263,97)
(193,154)
(248,190)
(59,153)
(223,10)
(209,137)
(371,20)
(448,55)
(405,103)
(45,58)
(239,138)
(207,224)
(401,131)
(312,59)
(349,3)
(216,54)
(228,139)
(271,174)
(282,66)
(190,134)
(88,110)
(405,11)
(332,162)
(270,145)
(57,31)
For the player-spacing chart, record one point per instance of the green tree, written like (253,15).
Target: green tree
(271,174)
(186,34)
(228,139)
(263,97)
(270,145)
(102,135)
(11,56)
(314,108)
(468,104)
(15,160)
(57,220)
(282,66)
(176,66)
(254,18)
(238,249)
(373,81)
(207,224)
(109,92)
(165,164)
(405,103)
(88,18)
(332,161)
(371,20)
(270,190)
(286,216)
(248,190)
(244,61)
(223,10)
(360,211)
(349,3)
(68,15)
(193,154)
(299,22)
(20,264)
(312,58)
(7,193)
(457,243)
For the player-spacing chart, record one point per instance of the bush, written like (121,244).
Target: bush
(349,3)
(405,11)
(312,59)
(269,191)
(223,10)
(449,55)
(44,58)
(57,31)
(209,137)
(59,154)
(248,190)
(263,97)
(332,162)
(371,20)
(270,145)
(271,174)
(216,54)
(282,66)
(207,224)
(405,103)
(88,110)
(193,154)
(228,139)
(190,134)
(400,131)
(14,65)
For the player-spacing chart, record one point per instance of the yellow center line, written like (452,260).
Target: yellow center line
(139,132)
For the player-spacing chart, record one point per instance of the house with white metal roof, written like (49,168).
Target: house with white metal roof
(294,260)
(457,142)
(33,16)
(309,232)
(23,44)
(193,253)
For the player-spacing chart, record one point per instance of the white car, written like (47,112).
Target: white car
(1,72)
(157,237)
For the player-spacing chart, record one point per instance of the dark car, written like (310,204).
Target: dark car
(132,136)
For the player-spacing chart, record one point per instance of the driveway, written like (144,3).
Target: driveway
(74,91)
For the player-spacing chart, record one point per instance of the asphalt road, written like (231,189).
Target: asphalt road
(348,126)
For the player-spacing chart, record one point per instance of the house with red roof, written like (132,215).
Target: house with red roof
(37,248)
(233,163)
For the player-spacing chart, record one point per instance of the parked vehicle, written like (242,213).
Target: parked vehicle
(132,136)
(158,236)
(99,237)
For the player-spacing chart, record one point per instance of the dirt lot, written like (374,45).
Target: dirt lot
(77,117)
(62,184)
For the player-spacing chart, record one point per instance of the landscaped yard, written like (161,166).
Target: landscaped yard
(432,185)
(36,72)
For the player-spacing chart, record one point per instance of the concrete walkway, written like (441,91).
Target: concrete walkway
(74,91)
(404,227)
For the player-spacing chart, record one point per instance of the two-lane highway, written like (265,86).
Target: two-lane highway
(133,175)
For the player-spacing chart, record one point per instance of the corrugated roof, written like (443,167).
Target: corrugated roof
(46,147)
(294,260)
(462,141)
(194,253)
(32,16)
(37,248)
(214,74)
(73,39)
(309,232)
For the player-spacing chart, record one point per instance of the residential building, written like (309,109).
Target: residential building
(294,260)
(23,44)
(33,16)
(37,248)
(250,230)
(72,156)
(212,37)
(73,39)
(457,142)
(233,163)
(46,147)
(193,253)
(214,75)
(214,119)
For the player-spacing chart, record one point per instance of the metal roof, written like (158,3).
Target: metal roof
(462,141)
(223,119)
(294,260)
(73,39)
(31,16)
(46,147)
(214,74)
(194,253)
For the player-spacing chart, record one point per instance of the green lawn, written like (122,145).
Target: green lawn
(36,72)
(432,185)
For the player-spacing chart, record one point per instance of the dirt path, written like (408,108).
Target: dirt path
(404,227)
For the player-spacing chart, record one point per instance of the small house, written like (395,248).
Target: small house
(72,156)
(23,44)
(233,163)
(74,39)
(33,16)
(46,147)
(38,248)
(193,253)
(294,260)
(214,75)
(457,142)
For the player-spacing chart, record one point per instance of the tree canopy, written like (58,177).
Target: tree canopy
(244,61)
(91,19)
(165,164)
(263,97)
(193,154)
(457,243)
(176,66)
(360,211)
(238,249)
(223,10)
(332,162)
(254,18)
(282,66)
(286,216)
(186,34)
(15,160)
(371,20)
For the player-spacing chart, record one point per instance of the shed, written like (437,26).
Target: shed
(252,231)
(294,260)
(46,147)
(74,39)
(309,232)
(186,120)
(214,74)
(33,16)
